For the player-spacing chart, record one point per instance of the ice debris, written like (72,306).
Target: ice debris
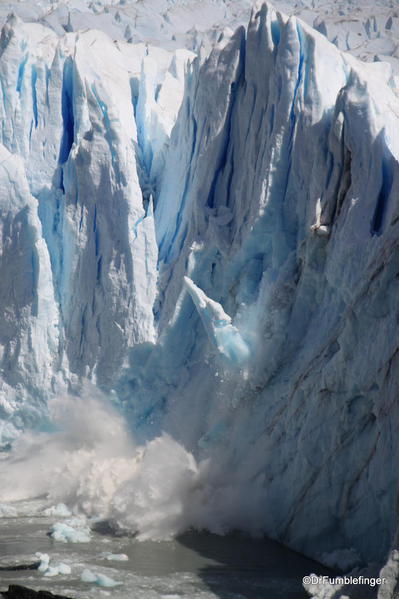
(7,511)
(74,530)
(115,557)
(53,570)
(100,579)
(225,336)
(60,510)
(56,570)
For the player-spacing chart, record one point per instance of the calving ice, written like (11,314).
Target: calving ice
(211,239)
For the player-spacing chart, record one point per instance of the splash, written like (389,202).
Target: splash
(92,464)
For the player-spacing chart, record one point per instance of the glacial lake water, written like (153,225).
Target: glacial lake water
(193,566)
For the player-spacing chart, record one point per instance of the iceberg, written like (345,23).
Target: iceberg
(62,569)
(53,570)
(73,531)
(100,579)
(115,557)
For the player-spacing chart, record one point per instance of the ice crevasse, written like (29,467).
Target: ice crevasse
(265,173)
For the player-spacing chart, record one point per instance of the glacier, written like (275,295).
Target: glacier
(209,236)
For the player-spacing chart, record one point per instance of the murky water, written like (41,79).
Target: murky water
(194,566)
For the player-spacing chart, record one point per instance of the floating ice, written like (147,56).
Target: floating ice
(116,557)
(100,579)
(63,569)
(44,561)
(53,570)
(75,532)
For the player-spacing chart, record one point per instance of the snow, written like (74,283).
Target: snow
(211,240)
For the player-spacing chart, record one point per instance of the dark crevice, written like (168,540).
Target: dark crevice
(99,268)
(293,117)
(34,95)
(68,121)
(276,34)
(225,150)
(382,200)
(61,184)
(21,72)
(96,232)
(234,87)
(298,80)
(345,181)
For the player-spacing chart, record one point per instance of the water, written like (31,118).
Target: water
(193,566)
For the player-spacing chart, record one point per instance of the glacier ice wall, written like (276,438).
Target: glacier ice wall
(293,232)
(75,134)
(274,189)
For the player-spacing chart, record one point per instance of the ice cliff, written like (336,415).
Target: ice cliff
(213,241)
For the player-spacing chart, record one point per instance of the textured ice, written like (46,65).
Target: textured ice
(222,333)
(266,172)
(44,561)
(60,510)
(60,569)
(368,30)
(100,579)
(73,531)
(8,511)
(115,557)
(54,569)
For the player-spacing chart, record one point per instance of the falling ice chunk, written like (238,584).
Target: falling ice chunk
(225,336)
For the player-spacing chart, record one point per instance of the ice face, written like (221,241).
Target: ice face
(282,232)
(76,117)
(212,241)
